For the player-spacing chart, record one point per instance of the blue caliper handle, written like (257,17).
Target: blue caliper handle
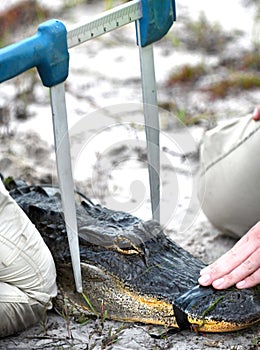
(47,50)
(158,17)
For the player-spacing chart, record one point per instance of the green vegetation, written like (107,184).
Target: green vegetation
(203,35)
(66,314)
(187,74)
(18,16)
(255,342)
(246,61)
(210,308)
(251,61)
(235,83)
(112,337)
(89,304)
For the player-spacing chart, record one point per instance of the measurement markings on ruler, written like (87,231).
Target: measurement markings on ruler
(102,24)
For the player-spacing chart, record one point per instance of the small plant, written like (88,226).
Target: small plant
(112,337)
(203,35)
(255,342)
(251,61)
(103,314)
(20,14)
(236,83)
(187,74)
(245,61)
(90,305)
(66,314)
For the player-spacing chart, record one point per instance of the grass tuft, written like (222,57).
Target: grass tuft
(187,74)
(234,84)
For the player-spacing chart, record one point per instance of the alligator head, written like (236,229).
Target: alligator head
(132,269)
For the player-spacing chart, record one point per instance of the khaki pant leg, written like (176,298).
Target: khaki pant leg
(25,260)
(230,174)
(17,310)
(27,270)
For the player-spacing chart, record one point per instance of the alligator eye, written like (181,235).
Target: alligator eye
(124,245)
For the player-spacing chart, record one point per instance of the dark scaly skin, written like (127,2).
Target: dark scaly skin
(133,270)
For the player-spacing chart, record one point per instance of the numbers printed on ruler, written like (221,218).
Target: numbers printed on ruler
(112,19)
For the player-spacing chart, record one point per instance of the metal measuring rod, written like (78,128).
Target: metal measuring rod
(47,50)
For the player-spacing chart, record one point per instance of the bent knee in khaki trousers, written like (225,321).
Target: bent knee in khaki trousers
(230,172)
(27,270)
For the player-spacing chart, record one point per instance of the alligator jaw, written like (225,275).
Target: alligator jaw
(207,325)
(106,292)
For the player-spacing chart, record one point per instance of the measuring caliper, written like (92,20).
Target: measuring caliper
(48,51)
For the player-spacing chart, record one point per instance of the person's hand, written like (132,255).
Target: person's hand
(256,113)
(240,266)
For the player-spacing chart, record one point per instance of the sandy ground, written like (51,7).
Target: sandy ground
(203,240)
(103,101)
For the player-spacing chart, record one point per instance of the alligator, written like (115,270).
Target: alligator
(131,269)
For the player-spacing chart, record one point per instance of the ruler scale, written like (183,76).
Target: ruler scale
(48,51)
(106,22)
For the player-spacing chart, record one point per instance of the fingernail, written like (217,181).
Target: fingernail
(204,280)
(241,284)
(217,283)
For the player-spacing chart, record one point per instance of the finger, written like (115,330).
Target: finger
(239,274)
(250,281)
(233,258)
(223,266)
(256,113)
